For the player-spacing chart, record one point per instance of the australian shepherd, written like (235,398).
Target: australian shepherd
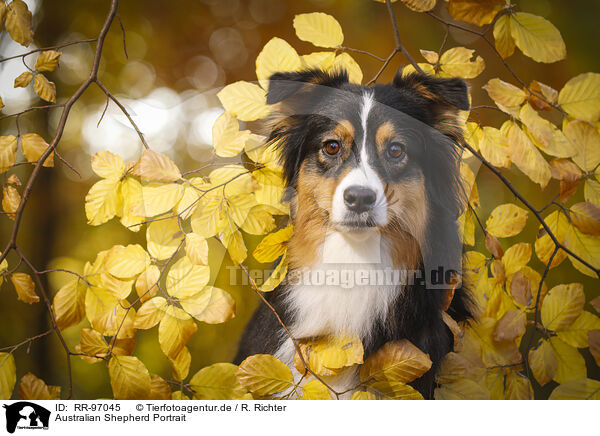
(373,182)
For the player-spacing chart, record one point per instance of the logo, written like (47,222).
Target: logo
(26,415)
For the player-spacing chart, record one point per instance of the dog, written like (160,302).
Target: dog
(373,181)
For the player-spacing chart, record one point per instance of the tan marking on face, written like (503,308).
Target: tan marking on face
(313,207)
(385,133)
(345,131)
(408,215)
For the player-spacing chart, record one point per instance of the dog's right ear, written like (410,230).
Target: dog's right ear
(284,85)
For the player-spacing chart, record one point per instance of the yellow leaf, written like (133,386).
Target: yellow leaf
(571,364)
(462,389)
(511,326)
(23,79)
(163,238)
(457,62)
(591,192)
(102,202)
(363,395)
(196,249)
(594,343)
(562,306)
(273,245)
(321,30)
(106,313)
(69,304)
(494,147)
(129,378)
(146,285)
(259,219)
(516,257)
(8,376)
(211,305)
(327,354)
(416,5)
(8,152)
(585,246)
(228,141)
(181,364)
(44,88)
(236,179)
(150,313)
(178,395)
(526,157)
(276,276)
(108,165)
(345,62)
(11,199)
(467,227)
(131,203)
(25,287)
(276,56)
(93,343)
(158,198)
(576,335)
(263,375)
(430,56)
(175,330)
(582,389)
(392,390)
(234,242)
(192,192)
(245,101)
(537,37)
(217,382)
(544,246)
(476,12)
(315,390)
(126,262)
(545,134)
(159,388)
(586,217)
(18,22)
(505,44)
(34,388)
(47,60)
(33,146)
(505,94)
(322,60)
(586,141)
(156,167)
(398,361)
(186,279)
(543,362)
(518,387)
(580,97)
(205,220)
(506,220)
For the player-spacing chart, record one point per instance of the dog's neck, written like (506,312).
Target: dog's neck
(346,288)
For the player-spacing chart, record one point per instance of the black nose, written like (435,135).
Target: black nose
(359,198)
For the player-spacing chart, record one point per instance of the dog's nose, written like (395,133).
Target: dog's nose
(359,198)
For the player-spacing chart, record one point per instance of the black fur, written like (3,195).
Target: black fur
(416,315)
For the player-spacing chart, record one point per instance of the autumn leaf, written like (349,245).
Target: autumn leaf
(129,378)
(47,60)
(322,30)
(25,287)
(537,38)
(18,22)
(506,220)
(398,361)
(264,375)
(156,167)
(276,56)
(217,382)
(245,101)
(23,80)
(580,97)
(475,12)
(34,388)
(44,88)
(8,376)
(8,152)
(33,146)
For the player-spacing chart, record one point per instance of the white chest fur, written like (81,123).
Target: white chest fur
(346,291)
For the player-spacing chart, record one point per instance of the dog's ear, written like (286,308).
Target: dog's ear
(284,85)
(453,92)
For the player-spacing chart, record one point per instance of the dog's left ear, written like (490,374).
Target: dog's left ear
(284,85)
(452,92)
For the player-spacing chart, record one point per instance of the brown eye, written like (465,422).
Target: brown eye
(331,147)
(396,150)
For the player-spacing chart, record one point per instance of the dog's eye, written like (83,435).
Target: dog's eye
(331,147)
(396,150)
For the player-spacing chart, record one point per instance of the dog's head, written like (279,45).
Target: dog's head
(370,158)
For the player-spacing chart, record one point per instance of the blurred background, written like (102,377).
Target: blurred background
(179,54)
